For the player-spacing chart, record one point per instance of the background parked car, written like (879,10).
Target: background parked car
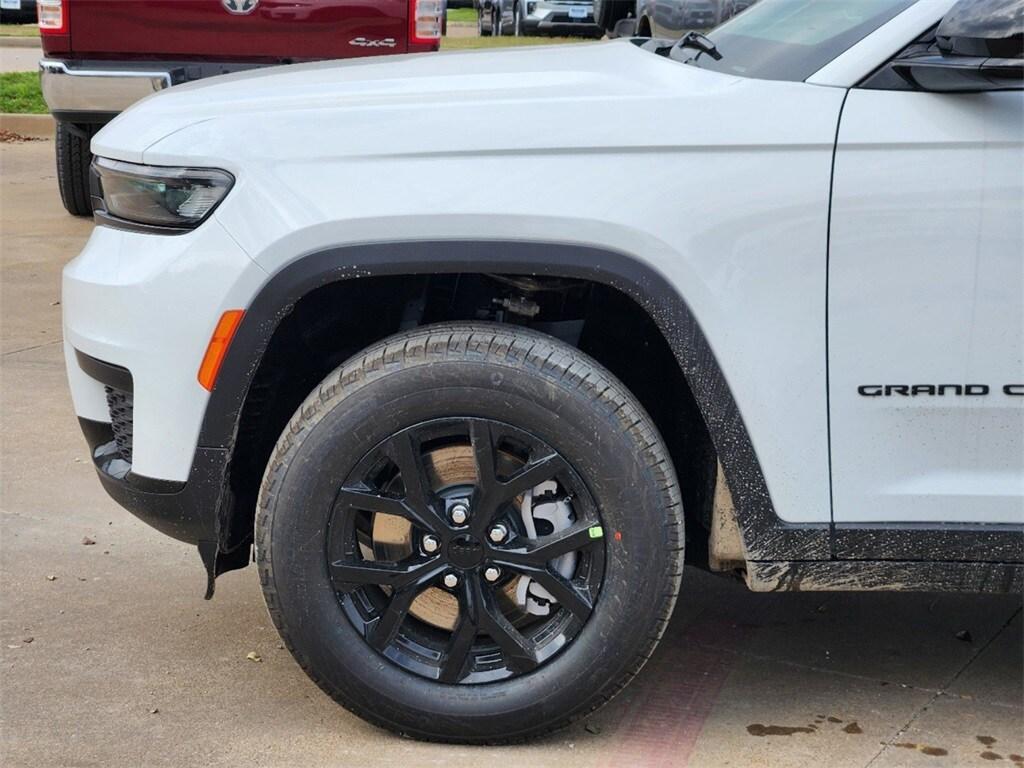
(665,18)
(537,17)
(17,11)
(100,56)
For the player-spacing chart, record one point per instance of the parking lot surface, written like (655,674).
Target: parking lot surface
(19,59)
(110,656)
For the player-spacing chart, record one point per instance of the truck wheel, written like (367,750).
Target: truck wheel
(608,12)
(471,533)
(483,31)
(73,159)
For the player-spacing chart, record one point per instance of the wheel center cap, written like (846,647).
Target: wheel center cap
(465,552)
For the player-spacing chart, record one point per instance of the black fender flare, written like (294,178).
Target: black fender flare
(765,535)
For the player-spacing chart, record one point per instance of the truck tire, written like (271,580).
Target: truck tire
(431,458)
(73,160)
(608,12)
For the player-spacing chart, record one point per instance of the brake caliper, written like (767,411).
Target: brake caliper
(544,512)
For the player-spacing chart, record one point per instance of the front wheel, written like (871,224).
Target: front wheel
(470,533)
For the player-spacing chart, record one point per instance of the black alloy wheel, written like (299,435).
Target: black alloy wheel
(468,541)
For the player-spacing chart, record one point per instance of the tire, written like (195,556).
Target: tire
(73,160)
(511,386)
(480,28)
(608,12)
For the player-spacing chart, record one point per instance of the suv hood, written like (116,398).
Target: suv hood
(573,95)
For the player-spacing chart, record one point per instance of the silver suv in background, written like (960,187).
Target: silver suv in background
(664,18)
(537,17)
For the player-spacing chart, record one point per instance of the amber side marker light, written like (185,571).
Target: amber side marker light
(218,347)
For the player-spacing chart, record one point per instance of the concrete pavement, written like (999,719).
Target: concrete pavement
(110,657)
(20,58)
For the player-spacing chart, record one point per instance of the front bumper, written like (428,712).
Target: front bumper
(703,18)
(185,511)
(558,19)
(138,313)
(147,304)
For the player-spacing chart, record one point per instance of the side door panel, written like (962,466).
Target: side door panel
(926,309)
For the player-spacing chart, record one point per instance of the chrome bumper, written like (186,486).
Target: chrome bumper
(68,88)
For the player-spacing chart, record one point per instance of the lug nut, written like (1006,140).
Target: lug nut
(492,574)
(431,544)
(451,580)
(459,513)
(498,533)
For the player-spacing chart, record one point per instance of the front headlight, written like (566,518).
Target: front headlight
(157,196)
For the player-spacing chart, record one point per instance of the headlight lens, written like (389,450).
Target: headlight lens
(158,196)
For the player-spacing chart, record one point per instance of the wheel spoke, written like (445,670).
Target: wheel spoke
(532,475)
(381,632)
(349,575)
(362,498)
(538,552)
(422,515)
(404,452)
(520,654)
(405,582)
(455,655)
(491,492)
(564,591)
(483,453)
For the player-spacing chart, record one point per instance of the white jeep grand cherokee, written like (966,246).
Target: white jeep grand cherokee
(465,392)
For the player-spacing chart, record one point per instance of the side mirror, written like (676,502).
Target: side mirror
(978,47)
(960,74)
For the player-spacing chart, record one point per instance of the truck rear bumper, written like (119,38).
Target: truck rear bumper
(95,91)
(70,87)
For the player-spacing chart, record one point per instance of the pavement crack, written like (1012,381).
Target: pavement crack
(942,689)
(810,667)
(29,349)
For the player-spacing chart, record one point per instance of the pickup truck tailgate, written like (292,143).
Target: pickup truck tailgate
(273,30)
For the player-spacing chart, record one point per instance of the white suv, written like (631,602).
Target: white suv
(464,391)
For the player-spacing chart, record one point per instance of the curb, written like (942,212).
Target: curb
(20,42)
(32,126)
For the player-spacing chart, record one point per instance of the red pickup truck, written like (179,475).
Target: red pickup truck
(100,56)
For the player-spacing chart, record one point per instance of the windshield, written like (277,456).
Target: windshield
(792,39)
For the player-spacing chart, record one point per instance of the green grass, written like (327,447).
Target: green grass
(19,92)
(462,14)
(468,43)
(19,30)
